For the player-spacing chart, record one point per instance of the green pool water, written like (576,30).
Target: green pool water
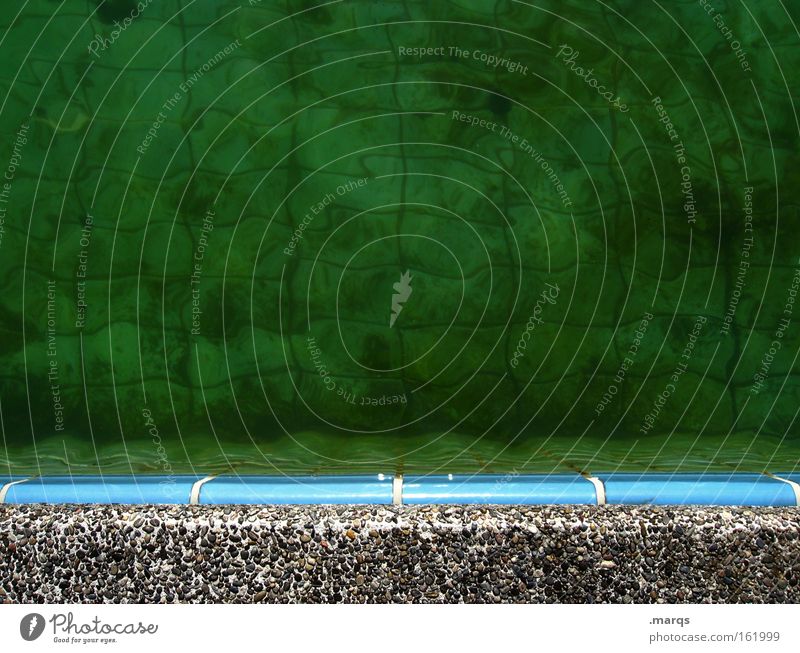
(352,236)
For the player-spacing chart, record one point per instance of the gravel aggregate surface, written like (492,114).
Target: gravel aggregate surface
(359,554)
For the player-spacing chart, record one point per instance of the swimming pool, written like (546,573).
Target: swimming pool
(358,237)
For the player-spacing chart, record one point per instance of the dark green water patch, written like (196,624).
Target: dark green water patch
(399,236)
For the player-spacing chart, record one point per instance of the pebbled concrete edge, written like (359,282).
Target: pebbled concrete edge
(326,554)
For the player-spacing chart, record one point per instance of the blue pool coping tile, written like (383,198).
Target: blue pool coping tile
(375,489)
(140,489)
(708,489)
(499,489)
(614,488)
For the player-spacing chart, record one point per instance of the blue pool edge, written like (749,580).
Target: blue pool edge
(614,488)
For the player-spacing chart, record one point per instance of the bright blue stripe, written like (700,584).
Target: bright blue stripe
(499,489)
(106,489)
(621,488)
(297,490)
(717,489)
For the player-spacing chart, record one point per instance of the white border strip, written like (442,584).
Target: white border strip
(194,495)
(599,489)
(4,490)
(397,490)
(795,486)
